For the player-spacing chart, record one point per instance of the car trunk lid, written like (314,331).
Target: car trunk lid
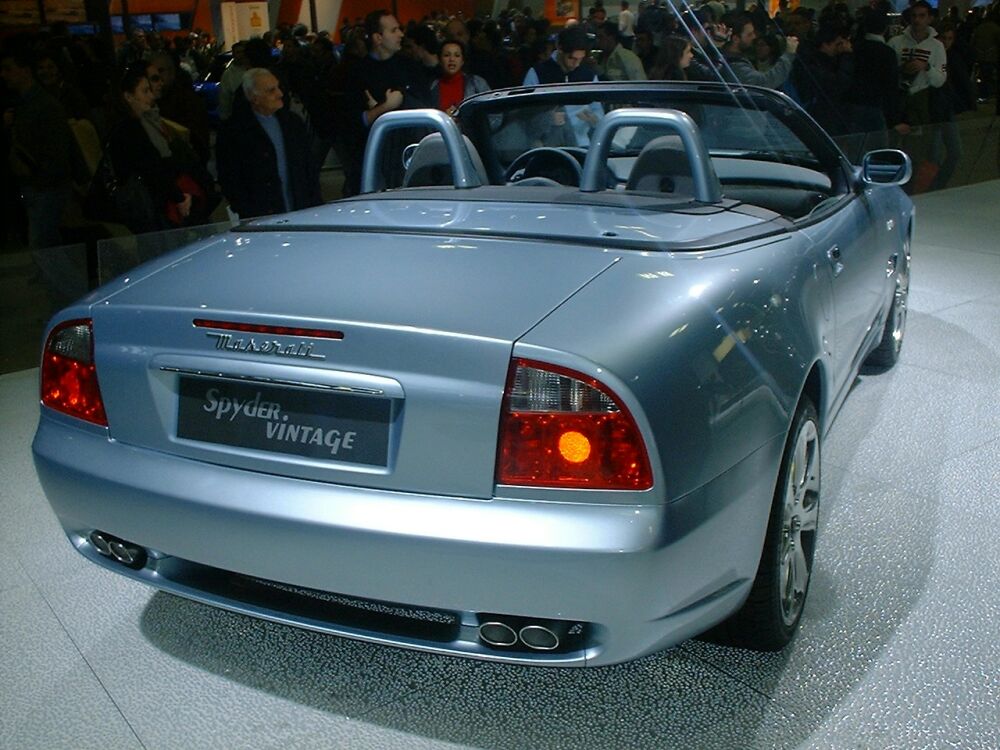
(422,332)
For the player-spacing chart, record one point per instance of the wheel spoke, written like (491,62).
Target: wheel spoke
(800,461)
(791,498)
(899,308)
(809,518)
(787,583)
(800,571)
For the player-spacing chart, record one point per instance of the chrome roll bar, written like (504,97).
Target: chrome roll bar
(465,175)
(706,183)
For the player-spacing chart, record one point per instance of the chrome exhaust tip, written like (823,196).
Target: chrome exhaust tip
(539,638)
(497,634)
(100,542)
(126,553)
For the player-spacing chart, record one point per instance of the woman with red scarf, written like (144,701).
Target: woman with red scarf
(454,85)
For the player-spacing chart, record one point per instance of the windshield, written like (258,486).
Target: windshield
(679,142)
(728,128)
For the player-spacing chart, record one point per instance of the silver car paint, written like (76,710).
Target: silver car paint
(735,329)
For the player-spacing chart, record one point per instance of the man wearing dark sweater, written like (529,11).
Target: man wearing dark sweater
(385,81)
(568,62)
(265,165)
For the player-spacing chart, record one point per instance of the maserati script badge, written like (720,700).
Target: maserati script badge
(302,350)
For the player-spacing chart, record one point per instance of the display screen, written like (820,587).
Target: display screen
(142,21)
(83,29)
(167,22)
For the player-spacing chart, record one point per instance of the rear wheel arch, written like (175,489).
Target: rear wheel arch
(814,388)
(770,615)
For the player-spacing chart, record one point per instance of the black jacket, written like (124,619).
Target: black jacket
(823,83)
(248,165)
(549,71)
(375,77)
(876,79)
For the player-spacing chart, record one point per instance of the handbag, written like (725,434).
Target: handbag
(99,202)
(194,180)
(125,202)
(187,184)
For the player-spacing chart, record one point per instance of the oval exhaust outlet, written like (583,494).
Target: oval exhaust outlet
(101,544)
(125,553)
(128,554)
(497,634)
(539,638)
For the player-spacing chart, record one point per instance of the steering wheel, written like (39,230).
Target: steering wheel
(546,162)
(537,182)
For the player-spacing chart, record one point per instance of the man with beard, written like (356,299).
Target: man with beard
(741,44)
(617,63)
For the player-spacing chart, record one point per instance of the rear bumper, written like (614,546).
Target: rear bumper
(642,577)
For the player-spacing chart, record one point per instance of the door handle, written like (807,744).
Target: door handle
(834,256)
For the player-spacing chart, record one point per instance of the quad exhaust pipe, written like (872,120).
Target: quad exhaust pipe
(128,554)
(536,636)
(497,634)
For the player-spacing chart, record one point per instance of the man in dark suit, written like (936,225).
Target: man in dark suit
(263,153)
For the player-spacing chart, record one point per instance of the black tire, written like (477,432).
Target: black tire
(886,354)
(771,614)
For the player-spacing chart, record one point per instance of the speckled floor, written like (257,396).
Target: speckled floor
(900,646)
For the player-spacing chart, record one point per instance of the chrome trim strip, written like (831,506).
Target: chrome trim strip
(277,381)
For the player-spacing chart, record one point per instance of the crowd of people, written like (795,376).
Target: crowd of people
(124,132)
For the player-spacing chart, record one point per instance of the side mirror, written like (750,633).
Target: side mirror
(886,166)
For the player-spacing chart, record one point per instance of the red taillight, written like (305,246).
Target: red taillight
(561,428)
(69,378)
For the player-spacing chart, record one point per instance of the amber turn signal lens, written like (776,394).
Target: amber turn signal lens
(562,428)
(574,447)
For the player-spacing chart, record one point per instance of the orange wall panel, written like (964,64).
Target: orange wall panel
(290,11)
(407,10)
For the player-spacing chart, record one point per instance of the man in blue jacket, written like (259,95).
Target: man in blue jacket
(570,125)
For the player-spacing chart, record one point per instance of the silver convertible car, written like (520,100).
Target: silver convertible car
(551,390)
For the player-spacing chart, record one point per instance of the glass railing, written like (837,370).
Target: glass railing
(36,284)
(33,285)
(117,255)
(943,154)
